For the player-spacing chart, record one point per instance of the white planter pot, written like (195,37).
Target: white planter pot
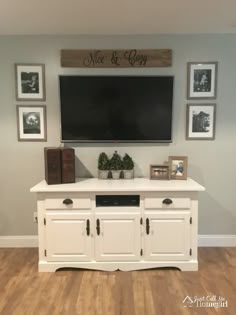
(128,174)
(102,174)
(115,174)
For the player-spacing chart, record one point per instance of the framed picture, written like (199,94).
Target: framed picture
(200,121)
(31,123)
(201,80)
(30,82)
(178,167)
(159,172)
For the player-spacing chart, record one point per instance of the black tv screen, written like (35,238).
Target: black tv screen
(116,108)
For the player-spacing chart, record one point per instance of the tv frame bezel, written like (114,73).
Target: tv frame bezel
(116,141)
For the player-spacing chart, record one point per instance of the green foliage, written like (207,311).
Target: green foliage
(103,162)
(116,161)
(127,162)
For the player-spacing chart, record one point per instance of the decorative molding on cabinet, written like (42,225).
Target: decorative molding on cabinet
(203,241)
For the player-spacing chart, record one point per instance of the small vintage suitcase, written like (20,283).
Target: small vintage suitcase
(67,165)
(52,161)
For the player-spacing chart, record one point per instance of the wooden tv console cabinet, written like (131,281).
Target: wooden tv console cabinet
(118,224)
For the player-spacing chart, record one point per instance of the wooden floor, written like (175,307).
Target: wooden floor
(24,291)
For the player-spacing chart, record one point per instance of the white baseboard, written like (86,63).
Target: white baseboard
(19,241)
(217,240)
(203,241)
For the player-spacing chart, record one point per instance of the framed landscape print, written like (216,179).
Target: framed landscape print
(178,167)
(31,123)
(200,121)
(30,82)
(201,80)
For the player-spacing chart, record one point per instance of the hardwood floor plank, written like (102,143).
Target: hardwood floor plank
(24,291)
(124,293)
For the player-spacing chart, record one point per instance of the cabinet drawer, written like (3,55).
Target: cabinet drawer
(68,203)
(167,203)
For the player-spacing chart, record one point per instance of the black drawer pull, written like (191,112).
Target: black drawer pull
(88,227)
(167,201)
(68,201)
(147,226)
(98,227)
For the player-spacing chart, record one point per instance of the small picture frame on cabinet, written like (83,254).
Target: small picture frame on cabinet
(178,167)
(160,172)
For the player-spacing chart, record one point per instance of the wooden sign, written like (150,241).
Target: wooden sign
(117,58)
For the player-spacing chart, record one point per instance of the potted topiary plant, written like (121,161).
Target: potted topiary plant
(116,165)
(128,167)
(103,166)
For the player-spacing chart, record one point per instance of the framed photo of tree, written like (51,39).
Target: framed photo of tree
(201,80)
(200,121)
(31,123)
(30,82)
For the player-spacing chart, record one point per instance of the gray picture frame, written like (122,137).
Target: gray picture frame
(200,121)
(31,123)
(30,82)
(202,80)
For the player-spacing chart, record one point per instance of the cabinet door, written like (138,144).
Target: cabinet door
(118,237)
(68,237)
(167,236)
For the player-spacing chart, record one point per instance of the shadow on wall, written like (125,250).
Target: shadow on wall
(215,218)
(196,173)
(3,224)
(81,170)
(138,172)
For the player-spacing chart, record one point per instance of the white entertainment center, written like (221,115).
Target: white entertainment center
(118,224)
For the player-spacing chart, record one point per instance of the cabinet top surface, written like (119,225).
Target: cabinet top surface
(120,185)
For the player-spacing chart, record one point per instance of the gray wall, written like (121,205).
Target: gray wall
(211,163)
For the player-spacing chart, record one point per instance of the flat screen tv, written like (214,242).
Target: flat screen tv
(116,108)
